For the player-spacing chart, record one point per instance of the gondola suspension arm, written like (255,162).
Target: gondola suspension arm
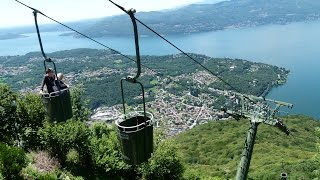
(46,59)
(131,12)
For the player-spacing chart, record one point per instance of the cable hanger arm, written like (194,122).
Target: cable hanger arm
(39,36)
(131,12)
(136,40)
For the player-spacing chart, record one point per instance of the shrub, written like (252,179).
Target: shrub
(31,114)
(62,137)
(31,172)
(8,129)
(105,152)
(164,164)
(44,162)
(13,160)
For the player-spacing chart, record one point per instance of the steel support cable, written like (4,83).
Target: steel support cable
(186,54)
(179,49)
(68,27)
(183,52)
(35,10)
(123,9)
(208,70)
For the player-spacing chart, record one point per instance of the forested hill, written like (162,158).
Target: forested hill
(214,150)
(211,17)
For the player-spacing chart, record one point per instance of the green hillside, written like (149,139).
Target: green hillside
(214,149)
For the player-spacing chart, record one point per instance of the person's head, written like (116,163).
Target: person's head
(50,72)
(60,76)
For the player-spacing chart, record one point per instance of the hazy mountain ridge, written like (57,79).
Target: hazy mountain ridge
(211,17)
(193,18)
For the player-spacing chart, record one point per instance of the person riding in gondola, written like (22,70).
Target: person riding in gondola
(49,81)
(62,85)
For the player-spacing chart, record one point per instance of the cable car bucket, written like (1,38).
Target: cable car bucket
(135,128)
(57,104)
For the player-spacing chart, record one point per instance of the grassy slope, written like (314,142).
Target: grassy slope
(214,149)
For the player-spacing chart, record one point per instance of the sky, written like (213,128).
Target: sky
(14,14)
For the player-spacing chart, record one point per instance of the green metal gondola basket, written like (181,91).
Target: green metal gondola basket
(136,136)
(58,105)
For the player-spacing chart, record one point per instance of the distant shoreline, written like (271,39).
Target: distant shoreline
(12,36)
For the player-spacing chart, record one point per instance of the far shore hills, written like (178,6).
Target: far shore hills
(11,36)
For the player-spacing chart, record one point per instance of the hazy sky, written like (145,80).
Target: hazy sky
(14,14)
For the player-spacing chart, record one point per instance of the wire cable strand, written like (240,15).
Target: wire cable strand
(72,29)
(126,56)
(179,49)
(186,54)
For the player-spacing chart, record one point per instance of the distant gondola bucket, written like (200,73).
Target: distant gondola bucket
(284,176)
(136,137)
(58,105)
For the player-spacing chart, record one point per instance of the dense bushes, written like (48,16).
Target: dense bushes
(31,115)
(12,160)
(60,138)
(96,149)
(21,117)
(31,172)
(79,147)
(105,152)
(8,119)
(164,164)
(91,152)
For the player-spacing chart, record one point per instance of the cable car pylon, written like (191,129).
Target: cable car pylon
(258,111)
(136,128)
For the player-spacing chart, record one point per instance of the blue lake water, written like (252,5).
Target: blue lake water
(294,46)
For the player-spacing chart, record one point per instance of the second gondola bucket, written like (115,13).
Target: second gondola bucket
(136,137)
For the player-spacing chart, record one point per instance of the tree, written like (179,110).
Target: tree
(164,164)
(12,160)
(31,114)
(105,151)
(8,119)
(60,138)
(79,109)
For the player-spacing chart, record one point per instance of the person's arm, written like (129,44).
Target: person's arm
(43,83)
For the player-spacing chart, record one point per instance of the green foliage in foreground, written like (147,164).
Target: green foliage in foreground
(94,152)
(7,114)
(164,164)
(214,149)
(210,151)
(12,160)
(31,114)
(71,149)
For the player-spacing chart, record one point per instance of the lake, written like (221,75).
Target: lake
(293,46)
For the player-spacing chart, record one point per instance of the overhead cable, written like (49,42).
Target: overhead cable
(86,36)
(179,49)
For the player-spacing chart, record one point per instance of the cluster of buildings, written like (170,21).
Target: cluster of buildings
(174,114)
(4,71)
